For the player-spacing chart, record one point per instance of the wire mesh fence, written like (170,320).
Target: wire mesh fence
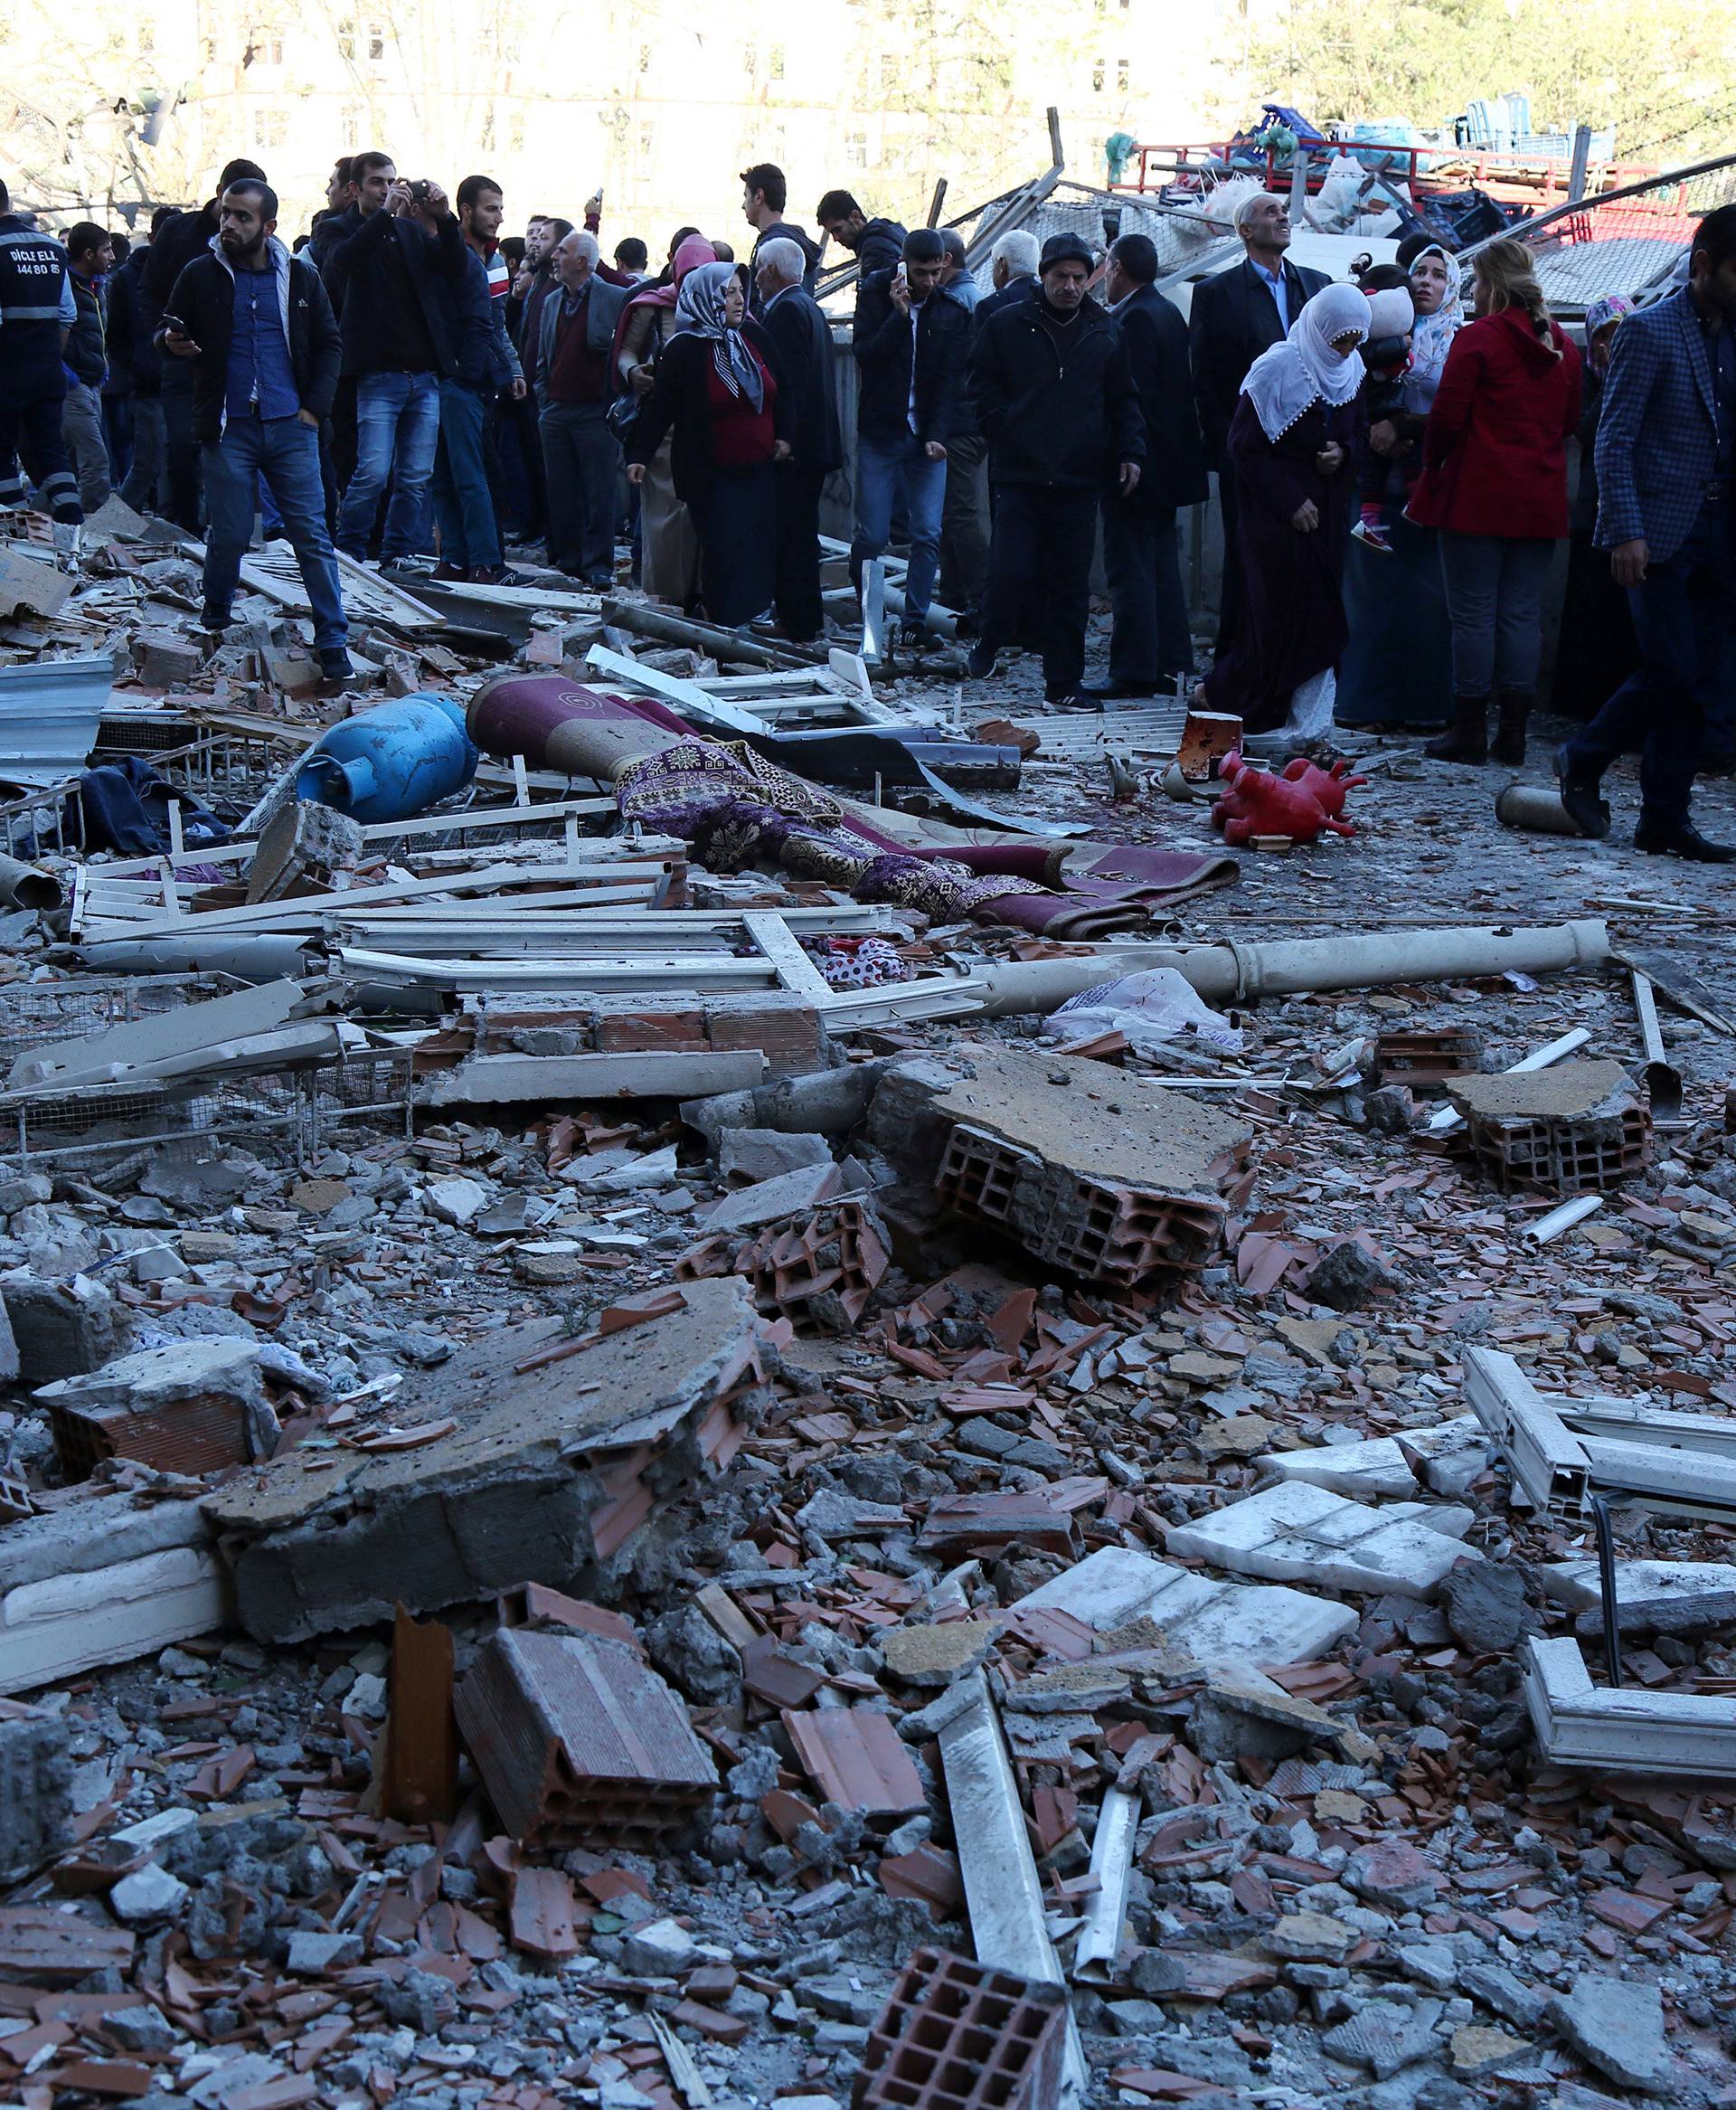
(1630,241)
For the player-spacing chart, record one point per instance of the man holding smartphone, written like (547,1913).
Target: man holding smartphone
(258,327)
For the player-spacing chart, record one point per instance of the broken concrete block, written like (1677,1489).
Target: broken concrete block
(1486,1609)
(148,1893)
(193,1406)
(1246,1715)
(1476,2050)
(35,1791)
(1652,1596)
(1392,1875)
(162,659)
(1446,1459)
(1095,1171)
(1345,1276)
(101,1582)
(1616,2025)
(1573,1128)
(32,585)
(580,1742)
(303,847)
(1214,1622)
(767,1201)
(1302,1534)
(456,1201)
(661,1948)
(747,1156)
(1310,1938)
(1384,2037)
(62,1329)
(934,1656)
(557,1454)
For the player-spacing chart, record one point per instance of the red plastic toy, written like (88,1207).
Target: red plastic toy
(1301,804)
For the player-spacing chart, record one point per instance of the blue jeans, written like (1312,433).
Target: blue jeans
(1685,621)
(286,452)
(463,507)
(397,426)
(886,471)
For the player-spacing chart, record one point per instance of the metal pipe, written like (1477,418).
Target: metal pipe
(25,885)
(1231,973)
(1599,1507)
(1663,1079)
(706,637)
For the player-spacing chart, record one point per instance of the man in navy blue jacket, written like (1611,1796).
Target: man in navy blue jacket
(1666,485)
(256,327)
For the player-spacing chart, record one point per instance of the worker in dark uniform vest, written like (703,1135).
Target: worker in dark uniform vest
(37,311)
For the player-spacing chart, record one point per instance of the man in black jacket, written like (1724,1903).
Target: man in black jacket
(187,235)
(130,346)
(1150,643)
(397,346)
(36,312)
(876,244)
(910,344)
(803,344)
(253,326)
(764,197)
(1234,317)
(90,259)
(1058,404)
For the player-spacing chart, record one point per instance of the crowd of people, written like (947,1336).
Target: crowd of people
(403,383)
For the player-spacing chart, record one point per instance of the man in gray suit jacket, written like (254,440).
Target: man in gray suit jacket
(1666,487)
(573,385)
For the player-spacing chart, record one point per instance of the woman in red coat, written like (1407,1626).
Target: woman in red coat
(1494,483)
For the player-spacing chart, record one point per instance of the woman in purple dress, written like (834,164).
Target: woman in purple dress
(1295,447)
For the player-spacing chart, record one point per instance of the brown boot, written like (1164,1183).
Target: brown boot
(1509,743)
(1469,739)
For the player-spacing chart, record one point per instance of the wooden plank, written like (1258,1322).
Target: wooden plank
(422,1768)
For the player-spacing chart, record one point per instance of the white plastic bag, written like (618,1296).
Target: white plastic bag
(1151,1010)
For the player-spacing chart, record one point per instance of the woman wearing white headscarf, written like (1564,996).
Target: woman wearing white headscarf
(1294,442)
(1397,668)
(716,389)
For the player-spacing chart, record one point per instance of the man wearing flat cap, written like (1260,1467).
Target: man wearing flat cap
(1063,423)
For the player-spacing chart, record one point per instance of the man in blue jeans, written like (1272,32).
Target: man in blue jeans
(385,279)
(910,344)
(1666,486)
(258,324)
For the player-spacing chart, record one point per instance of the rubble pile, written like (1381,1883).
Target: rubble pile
(609,1497)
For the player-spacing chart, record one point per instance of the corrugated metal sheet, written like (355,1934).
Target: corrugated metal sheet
(50,712)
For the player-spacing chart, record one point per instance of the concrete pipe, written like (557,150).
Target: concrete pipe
(1536,808)
(28,887)
(1230,973)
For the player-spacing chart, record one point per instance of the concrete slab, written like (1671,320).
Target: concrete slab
(555,1461)
(1574,1583)
(1566,1091)
(1297,1533)
(1450,1457)
(1212,1621)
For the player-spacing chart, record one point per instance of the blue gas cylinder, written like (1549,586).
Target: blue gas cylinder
(389,763)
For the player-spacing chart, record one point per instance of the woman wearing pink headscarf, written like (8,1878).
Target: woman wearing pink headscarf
(668,543)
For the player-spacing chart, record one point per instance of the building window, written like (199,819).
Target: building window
(345,47)
(889,70)
(1123,75)
(209,46)
(776,61)
(1096,78)
(645,57)
(856,149)
(146,40)
(374,36)
(516,136)
(646,137)
(271,129)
